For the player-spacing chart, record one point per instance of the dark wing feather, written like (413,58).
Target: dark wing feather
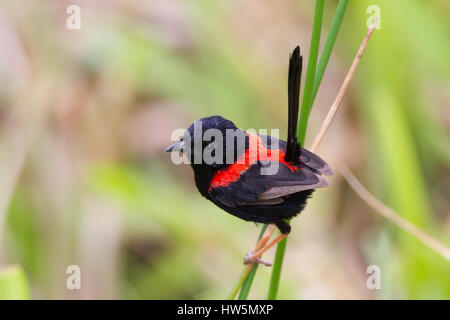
(256,189)
(315,162)
(277,192)
(287,182)
(308,158)
(294,78)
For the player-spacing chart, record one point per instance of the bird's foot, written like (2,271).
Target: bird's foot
(249,259)
(253,257)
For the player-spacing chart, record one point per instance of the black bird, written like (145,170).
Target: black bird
(238,178)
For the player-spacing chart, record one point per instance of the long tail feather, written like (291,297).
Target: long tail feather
(295,72)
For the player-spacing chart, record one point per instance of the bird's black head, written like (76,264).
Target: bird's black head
(212,141)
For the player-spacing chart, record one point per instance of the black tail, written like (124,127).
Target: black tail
(294,78)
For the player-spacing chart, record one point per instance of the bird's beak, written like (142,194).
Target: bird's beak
(177,146)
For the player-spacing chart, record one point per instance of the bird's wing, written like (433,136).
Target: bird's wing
(315,162)
(256,188)
(307,157)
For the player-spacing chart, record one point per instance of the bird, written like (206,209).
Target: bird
(255,177)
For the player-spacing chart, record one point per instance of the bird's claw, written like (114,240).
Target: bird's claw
(249,260)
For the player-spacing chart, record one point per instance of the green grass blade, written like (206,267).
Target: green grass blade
(313,79)
(246,283)
(303,121)
(310,72)
(239,284)
(276,271)
(314,75)
(328,47)
(13,284)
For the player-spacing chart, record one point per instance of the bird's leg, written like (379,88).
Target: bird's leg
(253,257)
(261,243)
(265,238)
(267,264)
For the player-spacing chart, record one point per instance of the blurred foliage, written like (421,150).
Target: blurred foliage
(390,109)
(92,187)
(13,284)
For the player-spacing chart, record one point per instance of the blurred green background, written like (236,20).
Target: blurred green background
(85,115)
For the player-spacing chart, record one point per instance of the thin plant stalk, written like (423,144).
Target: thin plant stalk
(393,216)
(348,78)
